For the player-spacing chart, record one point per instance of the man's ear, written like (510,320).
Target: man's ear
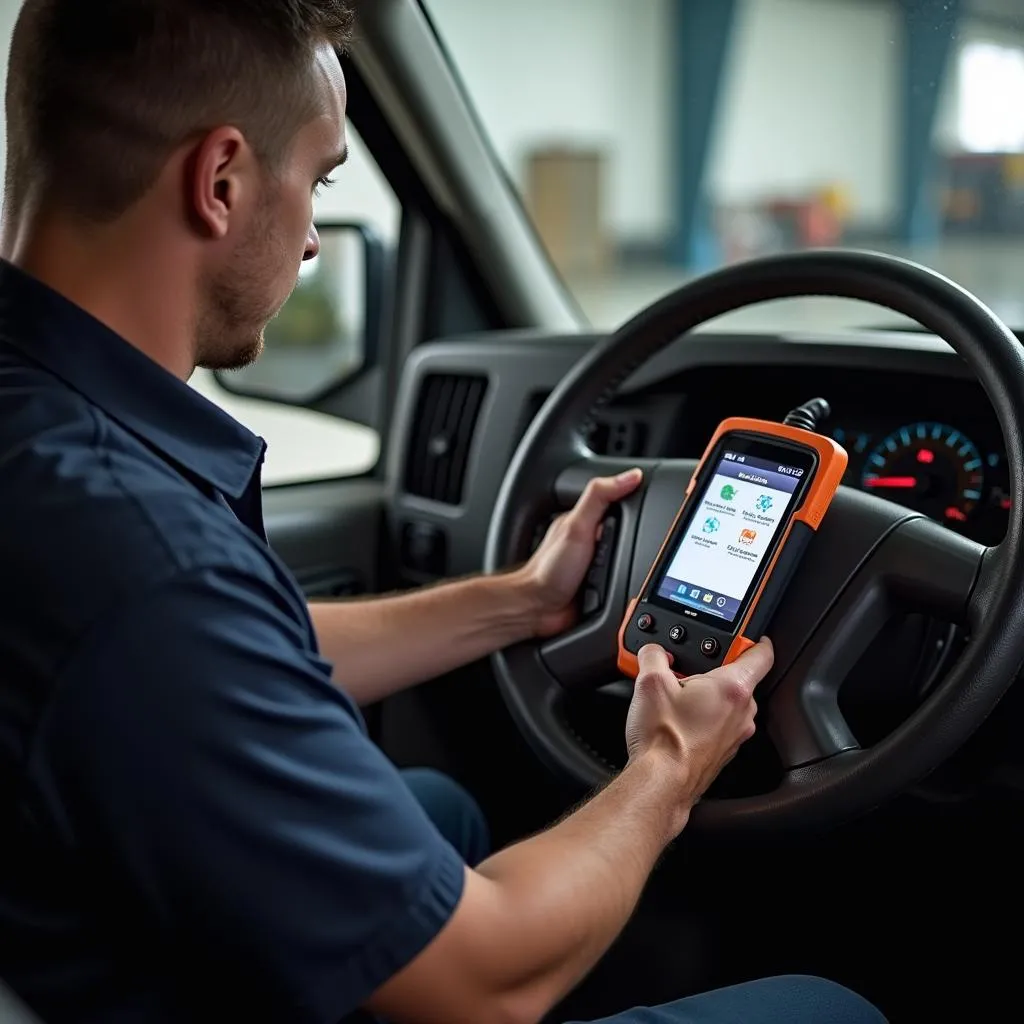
(222,167)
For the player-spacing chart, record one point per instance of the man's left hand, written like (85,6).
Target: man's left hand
(555,572)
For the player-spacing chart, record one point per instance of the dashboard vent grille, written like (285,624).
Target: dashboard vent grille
(446,416)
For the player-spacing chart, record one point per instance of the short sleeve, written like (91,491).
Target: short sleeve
(199,749)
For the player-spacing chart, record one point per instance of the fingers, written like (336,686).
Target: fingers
(600,493)
(748,669)
(743,674)
(653,660)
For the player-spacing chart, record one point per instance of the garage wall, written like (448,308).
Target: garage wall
(810,99)
(599,74)
(811,96)
(586,73)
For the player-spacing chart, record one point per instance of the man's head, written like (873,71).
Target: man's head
(200,126)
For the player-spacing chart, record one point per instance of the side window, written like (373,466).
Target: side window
(319,337)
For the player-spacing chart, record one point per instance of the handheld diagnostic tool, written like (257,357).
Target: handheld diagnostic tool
(758,495)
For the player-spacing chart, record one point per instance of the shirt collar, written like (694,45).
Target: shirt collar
(127,385)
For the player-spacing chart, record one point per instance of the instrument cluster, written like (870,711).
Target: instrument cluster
(934,468)
(926,440)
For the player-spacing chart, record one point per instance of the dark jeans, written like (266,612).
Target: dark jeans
(785,1000)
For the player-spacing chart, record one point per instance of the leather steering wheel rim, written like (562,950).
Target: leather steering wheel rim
(983,588)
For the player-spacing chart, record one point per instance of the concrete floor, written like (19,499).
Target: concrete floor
(304,445)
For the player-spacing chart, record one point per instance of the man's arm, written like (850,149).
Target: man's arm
(387,644)
(383,645)
(201,752)
(535,918)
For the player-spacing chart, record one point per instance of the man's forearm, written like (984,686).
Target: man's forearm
(535,918)
(571,890)
(384,645)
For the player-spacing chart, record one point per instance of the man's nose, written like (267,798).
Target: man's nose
(312,244)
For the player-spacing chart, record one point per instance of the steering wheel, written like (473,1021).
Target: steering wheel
(870,558)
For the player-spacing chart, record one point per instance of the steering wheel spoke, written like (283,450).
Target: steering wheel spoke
(925,567)
(807,727)
(918,566)
(581,658)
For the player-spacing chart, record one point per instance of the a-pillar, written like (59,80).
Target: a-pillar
(701,34)
(928,40)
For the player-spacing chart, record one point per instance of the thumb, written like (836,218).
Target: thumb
(625,483)
(601,492)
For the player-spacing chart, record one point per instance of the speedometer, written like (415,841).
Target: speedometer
(929,467)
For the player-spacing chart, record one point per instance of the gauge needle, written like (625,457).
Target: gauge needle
(891,481)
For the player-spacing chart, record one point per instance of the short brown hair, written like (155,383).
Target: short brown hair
(101,92)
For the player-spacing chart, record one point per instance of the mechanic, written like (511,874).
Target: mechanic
(198,827)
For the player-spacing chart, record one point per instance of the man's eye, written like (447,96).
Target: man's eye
(322,183)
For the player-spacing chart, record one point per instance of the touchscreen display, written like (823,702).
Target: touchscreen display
(728,536)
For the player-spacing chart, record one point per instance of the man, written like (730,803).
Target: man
(197,826)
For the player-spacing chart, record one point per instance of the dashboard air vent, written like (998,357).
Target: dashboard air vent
(446,415)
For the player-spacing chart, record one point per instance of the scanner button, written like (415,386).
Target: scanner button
(677,634)
(709,647)
(645,623)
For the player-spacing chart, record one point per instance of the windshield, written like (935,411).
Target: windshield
(653,140)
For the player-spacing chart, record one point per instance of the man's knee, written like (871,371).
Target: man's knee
(786,999)
(815,999)
(453,811)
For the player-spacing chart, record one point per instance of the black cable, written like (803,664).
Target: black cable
(809,415)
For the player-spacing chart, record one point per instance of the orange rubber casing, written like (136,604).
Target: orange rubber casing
(832,462)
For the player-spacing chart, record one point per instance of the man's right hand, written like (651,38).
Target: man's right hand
(534,918)
(697,724)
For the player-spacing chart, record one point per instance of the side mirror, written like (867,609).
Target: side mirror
(329,329)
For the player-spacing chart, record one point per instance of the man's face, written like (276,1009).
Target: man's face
(250,287)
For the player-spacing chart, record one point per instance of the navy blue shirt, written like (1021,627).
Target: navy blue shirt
(193,823)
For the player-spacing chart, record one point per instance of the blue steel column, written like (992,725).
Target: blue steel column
(929,28)
(701,32)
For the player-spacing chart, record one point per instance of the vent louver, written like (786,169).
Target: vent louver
(446,415)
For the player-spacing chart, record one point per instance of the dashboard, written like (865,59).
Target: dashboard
(929,443)
(918,427)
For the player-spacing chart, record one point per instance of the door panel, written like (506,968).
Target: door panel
(328,534)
